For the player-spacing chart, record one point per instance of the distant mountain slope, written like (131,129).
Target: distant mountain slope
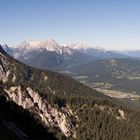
(51,60)
(98,52)
(8,49)
(50,55)
(132,53)
(117,74)
(65,107)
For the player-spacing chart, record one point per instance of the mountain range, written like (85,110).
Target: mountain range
(93,66)
(50,55)
(45,104)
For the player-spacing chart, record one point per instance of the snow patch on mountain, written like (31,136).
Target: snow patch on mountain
(49,45)
(77,46)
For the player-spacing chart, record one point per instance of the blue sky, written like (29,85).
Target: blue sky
(112,24)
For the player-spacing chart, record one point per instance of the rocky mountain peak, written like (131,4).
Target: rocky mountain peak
(51,41)
(51,45)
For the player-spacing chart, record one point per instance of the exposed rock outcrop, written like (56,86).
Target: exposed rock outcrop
(49,114)
(2,73)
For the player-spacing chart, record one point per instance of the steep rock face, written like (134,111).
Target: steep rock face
(2,73)
(49,114)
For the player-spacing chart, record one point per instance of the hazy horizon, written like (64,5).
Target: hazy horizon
(113,25)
